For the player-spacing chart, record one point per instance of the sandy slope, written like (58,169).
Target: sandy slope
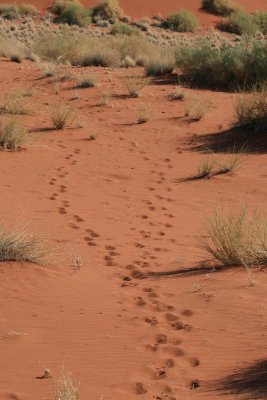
(140,8)
(115,202)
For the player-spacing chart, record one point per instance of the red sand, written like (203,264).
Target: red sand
(115,202)
(141,8)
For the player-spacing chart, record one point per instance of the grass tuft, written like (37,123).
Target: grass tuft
(65,388)
(64,116)
(220,7)
(182,21)
(251,109)
(236,238)
(14,103)
(87,80)
(135,85)
(144,114)
(20,245)
(13,136)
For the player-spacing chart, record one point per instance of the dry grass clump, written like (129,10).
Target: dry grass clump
(223,65)
(177,94)
(205,168)
(12,11)
(87,80)
(14,103)
(65,388)
(230,163)
(50,69)
(251,109)
(13,135)
(107,9)
(103,98)
(182,21)
(9,11)
(64,116)
(236,238)
(220,7)
(70,12)
(239,23)
(135,85)
(27,10)
(196,108)
(20,245)
(144,114)
(160,63)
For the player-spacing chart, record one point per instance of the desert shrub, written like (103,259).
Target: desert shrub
(220,7)
(144,114)
(230,163)
(260,19)
(79,51)
(14,103)
(65,388)
(251,109)
(182,21)
(10,49)
(64,116)
(97,55)
(122,29)
(225,66)
(27,10)
(239,23)
(177,94)
(13,136)
(87,80)
(160,63)
(135,85)
(196,108)
(236,238)
(107,9)
(70,12)
(9,11)
(20,245)
(53,47)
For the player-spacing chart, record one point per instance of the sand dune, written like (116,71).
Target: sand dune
(140,8)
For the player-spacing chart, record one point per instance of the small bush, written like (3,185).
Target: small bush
(144,114)
(70,12)
(13,136)
(122,29)
(177,94)
(103,99)
(65,388)
(9,11)
(220,7)
(14,103)
(86,81)
(225,66)
(135,85)
(160,63)
(236,238)
(205,169)
(19,245)
(27,10)
(239,23)
(231,163)
(107,9)
(260,19)
(182,21)
(64,117)
(196,108)
(251,109)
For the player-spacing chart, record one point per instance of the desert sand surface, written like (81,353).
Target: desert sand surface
(116,203)
(126,321)
(150,8)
